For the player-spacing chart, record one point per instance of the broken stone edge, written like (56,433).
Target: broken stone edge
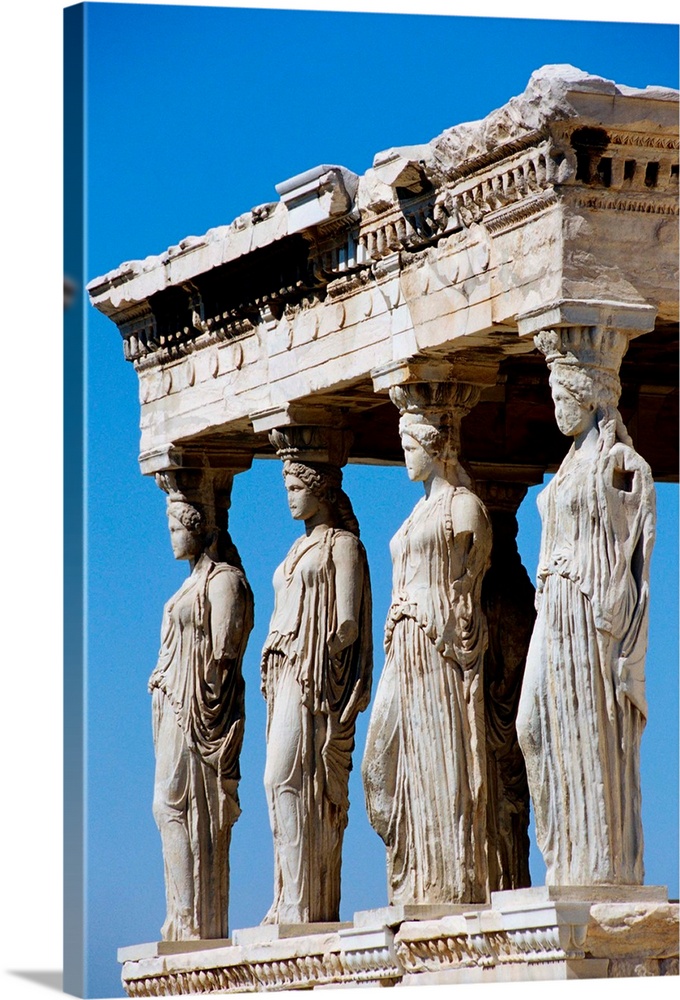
(530,938)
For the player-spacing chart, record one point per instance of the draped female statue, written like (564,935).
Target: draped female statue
(316,678)
(424,765)
(198,720)
(583,708)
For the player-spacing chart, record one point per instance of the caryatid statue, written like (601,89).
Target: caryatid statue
(198,708)
(424,768)
(316,678)
(583,709)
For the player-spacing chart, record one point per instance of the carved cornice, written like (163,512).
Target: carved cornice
(620,136)
(644,140)
(491,947)
(333,232)
(516,216)
(627,203)
(502,152)
(500,193)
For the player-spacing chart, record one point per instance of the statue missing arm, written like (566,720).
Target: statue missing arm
(583,708)
(424,763)
(316,669)
(198,720)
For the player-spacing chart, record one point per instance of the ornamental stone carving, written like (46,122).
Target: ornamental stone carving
(316,678)
(424,765)
(583,707)
(198,707)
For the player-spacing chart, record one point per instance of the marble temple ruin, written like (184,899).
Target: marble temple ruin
(462,307)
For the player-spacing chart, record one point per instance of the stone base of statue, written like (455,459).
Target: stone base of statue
(543,933)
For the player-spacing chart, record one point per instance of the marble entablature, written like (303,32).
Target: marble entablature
(446,248)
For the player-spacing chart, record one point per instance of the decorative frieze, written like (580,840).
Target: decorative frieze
(329,227)
(368,954)
(535,933)
(201,981)
(628,203)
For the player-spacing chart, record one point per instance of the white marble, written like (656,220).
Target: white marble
(316,678)
(583,707)
(494,225)
(318,195)
(539,934)
(198,719)
(424,764)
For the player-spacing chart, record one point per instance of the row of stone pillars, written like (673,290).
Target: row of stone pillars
(313,736)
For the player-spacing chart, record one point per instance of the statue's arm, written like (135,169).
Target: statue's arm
(471,539)
(227,597)
(465,630)
(627,503)
(349,581)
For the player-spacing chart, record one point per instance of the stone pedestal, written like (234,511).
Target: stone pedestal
(543,933)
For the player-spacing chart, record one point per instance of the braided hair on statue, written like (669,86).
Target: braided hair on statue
(325,482)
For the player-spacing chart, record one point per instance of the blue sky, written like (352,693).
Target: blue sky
(193,115)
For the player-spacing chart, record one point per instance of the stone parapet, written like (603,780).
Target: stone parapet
(544,933)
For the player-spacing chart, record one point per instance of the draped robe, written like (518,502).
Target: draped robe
(313,700)
(424,767)
(583,708)
(198,723)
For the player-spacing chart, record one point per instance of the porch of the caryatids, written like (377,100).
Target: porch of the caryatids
(583,705)
(424,767)
(198,691)
(316,674)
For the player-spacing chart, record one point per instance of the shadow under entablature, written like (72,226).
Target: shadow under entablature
(511,434)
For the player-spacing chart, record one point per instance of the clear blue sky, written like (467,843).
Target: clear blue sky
(193,115)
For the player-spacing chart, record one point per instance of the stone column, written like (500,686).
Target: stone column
(198,693)
(316,674)
(583,707)
(424,768)
(508,604)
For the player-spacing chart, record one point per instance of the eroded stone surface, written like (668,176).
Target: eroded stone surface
(583,707)
(527,938)
(616,930)
(198,711)
(442,248)
(428,713)
(316,677)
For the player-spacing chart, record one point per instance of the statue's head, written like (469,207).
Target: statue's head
(429,425)
(584,364)
(314,487)
(187,526)
(309,486)
(424,445)
(581,394)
